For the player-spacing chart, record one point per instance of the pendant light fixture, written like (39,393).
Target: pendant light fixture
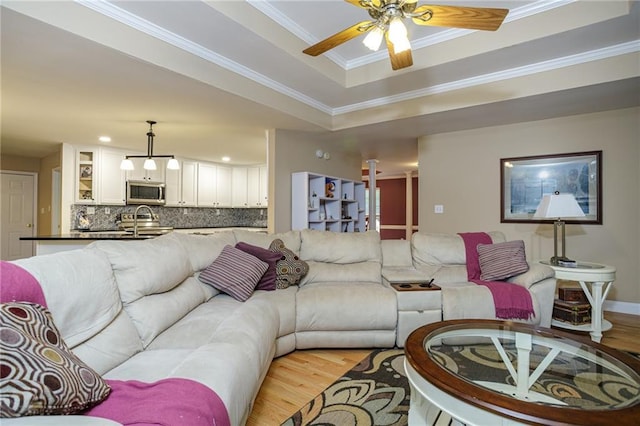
(149,163)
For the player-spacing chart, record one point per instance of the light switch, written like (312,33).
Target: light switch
(438,208)
(107,210)
(91,210)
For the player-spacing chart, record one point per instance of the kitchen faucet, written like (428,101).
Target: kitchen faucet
(135,218)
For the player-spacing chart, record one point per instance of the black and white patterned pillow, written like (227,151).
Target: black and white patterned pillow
(290,269)
(38,372)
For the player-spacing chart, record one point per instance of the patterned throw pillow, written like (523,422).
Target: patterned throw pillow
(290,269)
(268,280)
(234,272)
(38,372)
(502,260)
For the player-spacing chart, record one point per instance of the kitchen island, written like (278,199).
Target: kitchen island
(46,244)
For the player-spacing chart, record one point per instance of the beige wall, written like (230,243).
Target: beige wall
(19,164)
(461,170)
(45,181)
(290,152)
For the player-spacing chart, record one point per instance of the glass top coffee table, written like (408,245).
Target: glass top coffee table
(486,372)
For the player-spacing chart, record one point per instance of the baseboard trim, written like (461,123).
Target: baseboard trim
(622,307)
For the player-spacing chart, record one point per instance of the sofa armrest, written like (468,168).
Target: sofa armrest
(536,273)
(397,274)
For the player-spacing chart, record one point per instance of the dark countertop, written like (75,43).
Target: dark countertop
(88,236)
(114,235)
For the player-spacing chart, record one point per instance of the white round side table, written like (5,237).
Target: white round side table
(596,280)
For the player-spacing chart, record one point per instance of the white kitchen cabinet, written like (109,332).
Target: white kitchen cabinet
(86,173)
(239,182)
(326,203)
(257,186)
(223,186)
(249,187)
(139,173)
(111,180)
(214,185)
(181,185)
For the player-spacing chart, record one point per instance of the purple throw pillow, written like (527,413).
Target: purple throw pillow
(268,280)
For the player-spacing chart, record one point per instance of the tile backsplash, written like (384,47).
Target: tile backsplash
(104,218)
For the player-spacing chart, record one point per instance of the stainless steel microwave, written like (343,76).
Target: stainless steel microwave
(143,192)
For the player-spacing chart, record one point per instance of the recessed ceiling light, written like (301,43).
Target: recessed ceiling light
(226,159)
(104,139)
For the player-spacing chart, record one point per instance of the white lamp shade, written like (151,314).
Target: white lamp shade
(173,164)
(374,38)
(397,31)
(126,164)
(401,45)
(558,206)
(149,164)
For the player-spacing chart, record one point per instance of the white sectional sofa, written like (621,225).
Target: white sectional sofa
(135,310)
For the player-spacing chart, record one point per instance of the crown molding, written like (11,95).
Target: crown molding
(112,11)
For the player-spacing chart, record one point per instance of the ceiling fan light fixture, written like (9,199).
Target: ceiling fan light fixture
(401,45)
(374,38)
(397,31)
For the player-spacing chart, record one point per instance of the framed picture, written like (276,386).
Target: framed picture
(525,180)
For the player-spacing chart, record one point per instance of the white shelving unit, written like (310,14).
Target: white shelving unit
(327,203)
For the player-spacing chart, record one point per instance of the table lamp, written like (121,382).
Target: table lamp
(559,206)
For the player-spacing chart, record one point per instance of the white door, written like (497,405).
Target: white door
(17,205)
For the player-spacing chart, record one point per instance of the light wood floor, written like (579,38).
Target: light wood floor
(296,378)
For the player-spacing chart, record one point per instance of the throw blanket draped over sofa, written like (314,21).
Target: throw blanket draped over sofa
(136,311)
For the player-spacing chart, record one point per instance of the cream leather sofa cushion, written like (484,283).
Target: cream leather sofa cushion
(321,272)
(203,249)
(80,290)
(396,253)
(155,313)
(339,248)
(146,267)
(433,249)
(115,344)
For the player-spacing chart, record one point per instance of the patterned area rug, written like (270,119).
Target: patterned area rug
(376,391)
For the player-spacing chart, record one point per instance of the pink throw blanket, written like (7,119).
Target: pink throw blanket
(511,300)
(168,402)
(18,285)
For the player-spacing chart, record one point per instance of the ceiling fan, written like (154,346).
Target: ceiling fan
(387,22)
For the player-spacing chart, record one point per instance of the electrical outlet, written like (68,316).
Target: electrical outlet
(438,208)
(185,211)
(217,212)
(91,210)
(107,210)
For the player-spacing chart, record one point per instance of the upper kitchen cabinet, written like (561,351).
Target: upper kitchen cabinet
(99,179)
(111,182)
(139,173)
(249,187)
(86,162)
(182,185)
(214,185)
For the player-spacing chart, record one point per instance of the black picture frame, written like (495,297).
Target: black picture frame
(524,180)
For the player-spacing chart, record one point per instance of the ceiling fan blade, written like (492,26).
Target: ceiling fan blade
(398,60)
(364,3)
(475,18)
(338,38)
